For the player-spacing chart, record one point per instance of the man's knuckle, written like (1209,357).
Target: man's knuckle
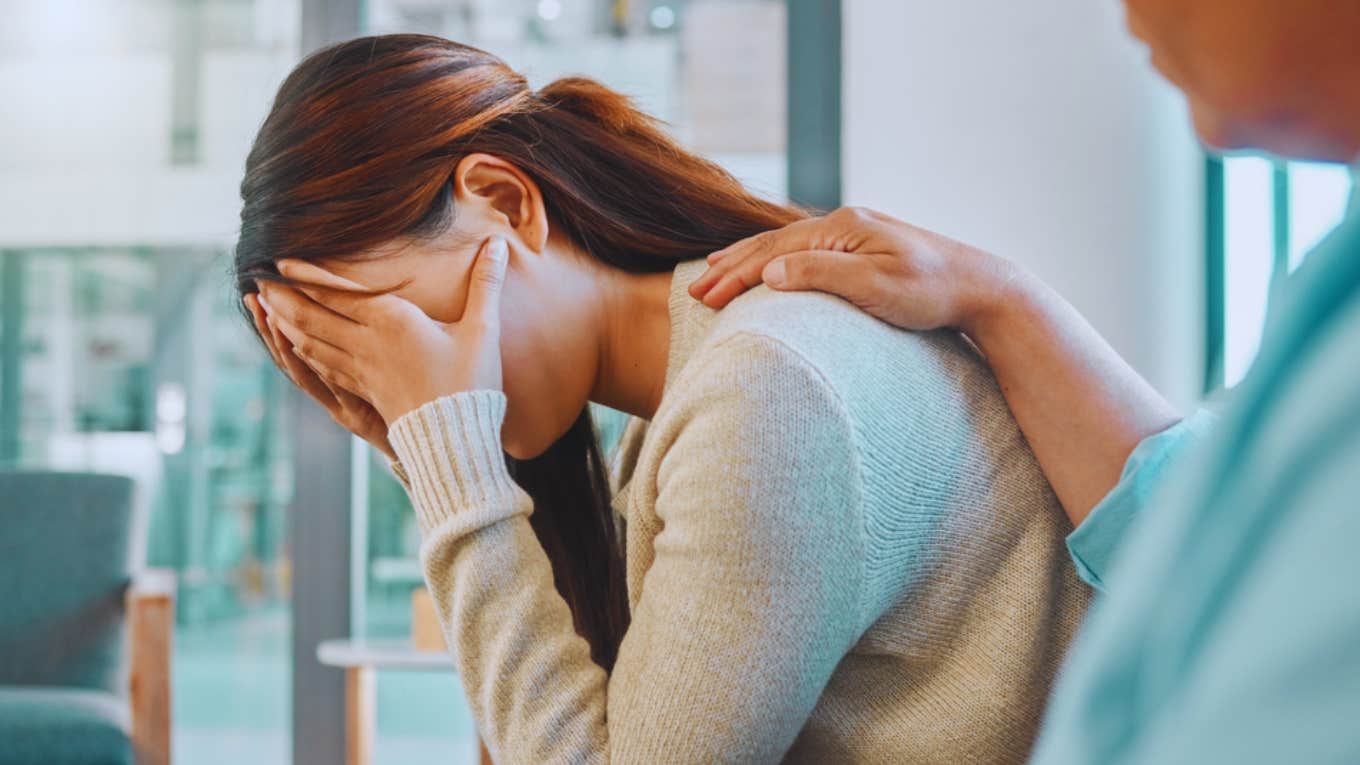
(849,214)
(865,216)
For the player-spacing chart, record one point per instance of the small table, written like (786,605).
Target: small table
(360,659)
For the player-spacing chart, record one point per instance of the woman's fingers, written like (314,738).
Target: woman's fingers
(360,418)
(303,271)
(284,349)
(330,362)
(262,328)
(302,375)
(400,360)
(339,383)
(348,409)
(488,276)
(343,296)
(308,316)
(348,401)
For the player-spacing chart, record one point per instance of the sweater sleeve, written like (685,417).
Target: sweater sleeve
(1094,543)
(752,598)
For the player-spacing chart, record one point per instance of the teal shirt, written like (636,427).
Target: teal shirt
(1229,561)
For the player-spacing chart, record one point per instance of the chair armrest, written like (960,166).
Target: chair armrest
(151,628)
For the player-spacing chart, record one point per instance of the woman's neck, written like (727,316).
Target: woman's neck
(634,342)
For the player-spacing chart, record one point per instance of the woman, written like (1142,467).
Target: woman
(1231,627)
(791,581)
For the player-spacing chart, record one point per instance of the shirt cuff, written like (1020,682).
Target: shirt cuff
(1094,544)
(450,450)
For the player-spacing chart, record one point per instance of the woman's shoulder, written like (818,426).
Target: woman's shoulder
(817,325)
(874,370)
(895,400)
(749,373)
(813,371)
(742,402)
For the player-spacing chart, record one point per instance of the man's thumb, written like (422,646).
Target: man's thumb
(824,270)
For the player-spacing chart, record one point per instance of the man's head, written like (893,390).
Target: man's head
(1279,75)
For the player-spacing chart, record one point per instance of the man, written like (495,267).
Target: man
(1229,630)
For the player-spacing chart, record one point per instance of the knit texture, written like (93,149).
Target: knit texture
(839,549)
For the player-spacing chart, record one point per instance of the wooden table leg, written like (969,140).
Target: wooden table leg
(360,715)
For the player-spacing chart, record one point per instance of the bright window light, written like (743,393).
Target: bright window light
(663,17)
(1318,195)
(549,10)
(1306,201)
(1249,242)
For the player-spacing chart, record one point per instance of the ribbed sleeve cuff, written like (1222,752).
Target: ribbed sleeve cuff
(399,473)
(450,450)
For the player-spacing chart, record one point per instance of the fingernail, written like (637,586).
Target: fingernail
(263,303)
(498,249)
(774,274)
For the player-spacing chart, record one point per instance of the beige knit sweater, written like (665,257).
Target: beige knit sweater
(839,549)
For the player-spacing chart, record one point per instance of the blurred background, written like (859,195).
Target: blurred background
(1034,129)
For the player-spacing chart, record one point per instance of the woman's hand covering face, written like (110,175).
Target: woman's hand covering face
(904,275)
(353,413)
(383,349)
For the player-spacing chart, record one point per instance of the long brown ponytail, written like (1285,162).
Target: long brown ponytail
(359,149)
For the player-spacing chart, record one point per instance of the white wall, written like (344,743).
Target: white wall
(1036,129)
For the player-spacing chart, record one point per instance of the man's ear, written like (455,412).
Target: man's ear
(504,191)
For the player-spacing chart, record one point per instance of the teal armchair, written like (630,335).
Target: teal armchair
(85,637)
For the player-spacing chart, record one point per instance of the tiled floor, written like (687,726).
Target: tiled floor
(232,703)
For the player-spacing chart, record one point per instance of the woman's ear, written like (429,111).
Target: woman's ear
(505,192)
